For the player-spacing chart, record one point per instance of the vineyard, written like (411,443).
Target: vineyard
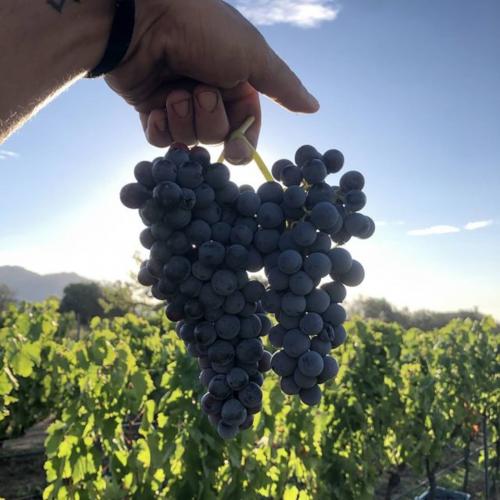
(125,403)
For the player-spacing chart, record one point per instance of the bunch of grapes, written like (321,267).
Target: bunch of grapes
(205,235)
(199,256)
(311,215)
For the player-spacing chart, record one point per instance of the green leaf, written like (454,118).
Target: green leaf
(23,361)
(5,384)
(143,453)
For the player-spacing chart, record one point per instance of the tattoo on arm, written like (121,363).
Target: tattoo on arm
(59,4)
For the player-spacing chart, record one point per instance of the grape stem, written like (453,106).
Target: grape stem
(239,133)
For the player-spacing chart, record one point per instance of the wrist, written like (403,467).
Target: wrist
(92,22)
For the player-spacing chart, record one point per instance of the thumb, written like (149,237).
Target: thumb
(272,76)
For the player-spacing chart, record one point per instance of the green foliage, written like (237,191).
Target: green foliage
(383,310)
(28,352)
(117,299)
(128,422)
(6,297)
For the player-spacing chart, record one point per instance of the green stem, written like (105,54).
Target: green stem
(240,134)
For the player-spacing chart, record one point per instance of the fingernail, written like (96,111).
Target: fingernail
(181,108)
(237,152)
(207,100)
(313,101)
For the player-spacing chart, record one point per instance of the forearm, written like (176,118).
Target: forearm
(44,46)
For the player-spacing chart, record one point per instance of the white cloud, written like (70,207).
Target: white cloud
(470,226)
(427,231)
(5,154)
(302,13)
(380,223)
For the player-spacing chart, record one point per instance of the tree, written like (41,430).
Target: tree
(84,300)
(6,297)
(118,299)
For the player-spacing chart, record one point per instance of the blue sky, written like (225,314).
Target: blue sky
(410,92)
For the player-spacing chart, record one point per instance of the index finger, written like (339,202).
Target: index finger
(273,77)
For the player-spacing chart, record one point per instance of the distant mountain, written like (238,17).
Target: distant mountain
(31,286)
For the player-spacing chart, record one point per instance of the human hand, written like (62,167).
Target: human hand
(194,71)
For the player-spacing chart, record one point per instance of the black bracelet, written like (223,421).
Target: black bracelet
(119,38)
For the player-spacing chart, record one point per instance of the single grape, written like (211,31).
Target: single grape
(330,369)
(221,352)
(277,168)
(336,291)
(134,195)
(283,364)
(288,386)
(251,395)
(290,261)
(303,381)
(314,171)
(198,232)
(253,291)
(270,192)
(276,336)
(210,404)
(293,305)
(217,176)
(310,396)
(249,351)
(339,336)
(310,364)
(334,160)
(324,215)
(177,268)
(295,343)
(211,253)
(248,203)
(304,233)
(227,431)
(205,195)
(270,215)
(205,333)
(321,346)
(312,323)
(355,200)
(169,194)
(235,303)
(233,412)
(219,388)
(317,301)
(317,265)
(352,180)
(341,260)
(224,282)
(354,276)
(301,283)
(294,197)
(206,376)
(291,175)
(266,240)
(228,326)
(237,378)
(144,174)
(164,171)
(305,154)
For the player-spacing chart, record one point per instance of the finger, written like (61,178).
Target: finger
(180,117)
(241,103)
(157,129)
(211,122)
(272,76)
